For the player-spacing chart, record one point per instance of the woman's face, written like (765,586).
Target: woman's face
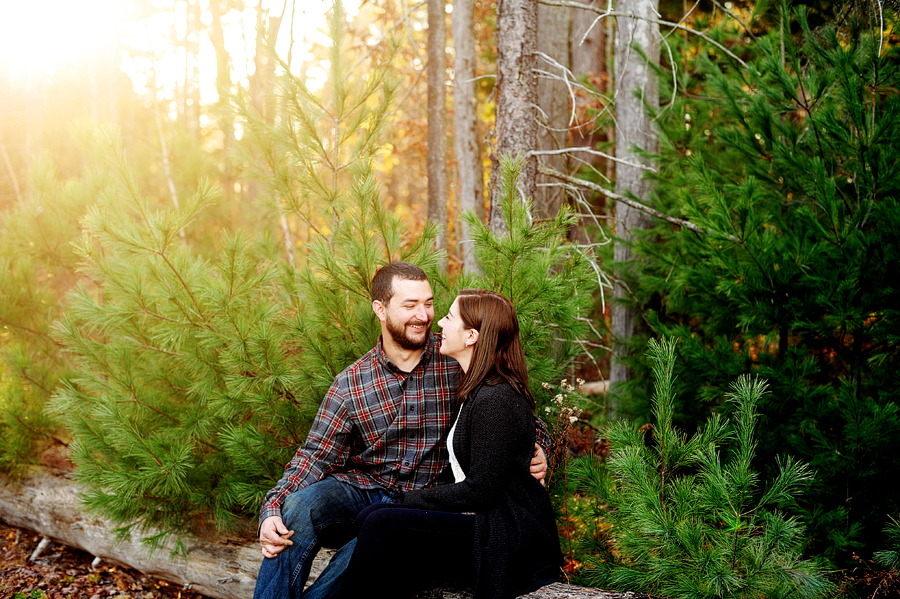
(456,339)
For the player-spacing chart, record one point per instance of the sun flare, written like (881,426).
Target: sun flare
(41,37)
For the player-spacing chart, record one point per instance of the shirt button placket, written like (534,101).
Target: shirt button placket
(410,397)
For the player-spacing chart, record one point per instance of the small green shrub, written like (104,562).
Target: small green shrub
(890,558)
(686,518)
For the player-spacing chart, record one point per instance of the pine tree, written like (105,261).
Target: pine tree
(789,168)
(320,162)
(549,280)
(684,516)
(38,268)
(197,378)
(154,331)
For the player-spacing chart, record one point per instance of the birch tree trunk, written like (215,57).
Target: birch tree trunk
(468,156)
(437,103)
(516,93)
(635,86)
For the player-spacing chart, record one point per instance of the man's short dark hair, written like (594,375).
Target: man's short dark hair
(383,281)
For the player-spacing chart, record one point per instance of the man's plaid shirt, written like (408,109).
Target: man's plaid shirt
(378,427)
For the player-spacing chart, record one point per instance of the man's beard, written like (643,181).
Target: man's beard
(399,335)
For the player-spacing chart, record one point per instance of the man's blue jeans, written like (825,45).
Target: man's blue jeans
(322,514)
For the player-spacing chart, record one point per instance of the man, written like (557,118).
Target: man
(380,430)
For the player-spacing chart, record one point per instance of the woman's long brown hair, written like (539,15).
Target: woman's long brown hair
(498,351)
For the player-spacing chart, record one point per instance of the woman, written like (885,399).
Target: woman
(494,528)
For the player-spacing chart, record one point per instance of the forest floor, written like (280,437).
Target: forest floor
(61,572)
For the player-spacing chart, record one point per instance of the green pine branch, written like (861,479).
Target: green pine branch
(684,516)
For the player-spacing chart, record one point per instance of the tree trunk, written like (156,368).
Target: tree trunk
(635,86)
(516,93)
(34,122)
(263,78)
(589,60)
(217,567)
(262,83)
(223,85)
(193,51)
(468,156)
(437,107)
(553,99)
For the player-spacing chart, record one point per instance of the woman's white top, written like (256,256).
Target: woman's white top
(458,474)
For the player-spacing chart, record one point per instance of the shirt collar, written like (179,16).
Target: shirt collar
(423,360)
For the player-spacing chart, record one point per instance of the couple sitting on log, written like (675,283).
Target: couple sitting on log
(422,463)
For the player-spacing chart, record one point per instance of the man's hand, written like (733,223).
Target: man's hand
(274,536)
(538,465)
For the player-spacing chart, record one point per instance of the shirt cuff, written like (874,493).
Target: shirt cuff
(267,512)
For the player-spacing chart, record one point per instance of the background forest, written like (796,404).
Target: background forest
(694,206)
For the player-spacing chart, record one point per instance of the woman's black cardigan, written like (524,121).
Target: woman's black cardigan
(516,545)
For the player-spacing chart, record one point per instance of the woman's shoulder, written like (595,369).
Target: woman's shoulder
(496,387)
(499,394)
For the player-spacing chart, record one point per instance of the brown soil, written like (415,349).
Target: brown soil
(61,572)
(873,584)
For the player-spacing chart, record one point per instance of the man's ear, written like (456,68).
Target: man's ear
(379,309)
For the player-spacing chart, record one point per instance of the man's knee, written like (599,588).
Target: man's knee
(323,510)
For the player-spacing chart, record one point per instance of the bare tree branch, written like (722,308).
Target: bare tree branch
(405,21)
(689,12)
(674,77)
(589,150)
(568,78)
(606,13)
(572,81)
(735,17)
(164,149)
(633,204)
(565,78)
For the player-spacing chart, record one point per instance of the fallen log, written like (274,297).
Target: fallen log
(219,568)
(49,505)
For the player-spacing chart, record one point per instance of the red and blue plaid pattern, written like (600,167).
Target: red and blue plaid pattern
(378,427)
